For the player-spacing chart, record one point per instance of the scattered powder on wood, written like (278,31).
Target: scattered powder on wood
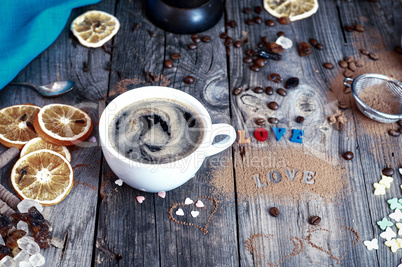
(381,99)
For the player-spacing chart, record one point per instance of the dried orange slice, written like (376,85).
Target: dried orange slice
(63,125)
(42,175)
(294,9)
(38,143)
(94,28)
(16,125)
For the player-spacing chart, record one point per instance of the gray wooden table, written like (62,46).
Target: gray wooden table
(102,224)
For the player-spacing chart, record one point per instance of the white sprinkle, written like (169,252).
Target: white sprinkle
(179,212)
(199,204)
(373,244)
(119,182)
(92,139)
(188,201)
(140,199)
(195,213)
(162,194)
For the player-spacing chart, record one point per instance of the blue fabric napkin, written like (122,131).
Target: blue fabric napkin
(28,27)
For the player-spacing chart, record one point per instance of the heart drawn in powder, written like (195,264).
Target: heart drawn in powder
(202,226)
(253,249)
(344,243)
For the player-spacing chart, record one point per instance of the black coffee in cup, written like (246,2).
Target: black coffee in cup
(156,131)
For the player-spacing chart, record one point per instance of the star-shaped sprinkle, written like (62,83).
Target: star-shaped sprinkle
(373,244)
(393,244)
(188,201)
(399,226)
(386,181)
(379,189)
(384,223)
(194,213)
(388,234)
(397,215)
(179,212)
(199,204)
(394,204)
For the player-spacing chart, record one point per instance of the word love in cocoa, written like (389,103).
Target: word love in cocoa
(275,177)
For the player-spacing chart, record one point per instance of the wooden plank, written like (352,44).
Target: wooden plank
(143,233)
(312,101)
(73,219)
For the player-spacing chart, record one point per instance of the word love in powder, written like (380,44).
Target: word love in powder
(261,134)
(275,177)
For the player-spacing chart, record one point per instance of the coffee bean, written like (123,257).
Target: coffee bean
(168,64)
(359,28)
(223,35)
(348,73)
(206,38)
(284,20)
(260,121)
(269,90)
(227,50)
(192,46)
(189,80)
(281,92)
(279,34)
(274,211)
(388,171)
(258,90)
(257,20)
(250,22)
(394,133)
(265,39)
(299,119)
(342,105)
(196,40)
(348,155)
(247,59)
(364,52)
(292,82)
(250,52)
(270,22)
(247,10)
(399,122)
(313,42)
(232,24)
(314,220)
(348,59)
(260,62)
(358,63)
(374,56)
(343,64)
(328,65)
(237,44)
(175,56)
(273,105)
(305,49)
(254,68)
(319,46)
(352,66)
(275,77)
(258,9)
(273,120)
(349,28)
(237,91)
(228,41)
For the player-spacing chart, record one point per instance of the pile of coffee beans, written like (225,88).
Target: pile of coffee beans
(373,56)
(349,64)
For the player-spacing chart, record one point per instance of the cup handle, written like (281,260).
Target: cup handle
(221,129)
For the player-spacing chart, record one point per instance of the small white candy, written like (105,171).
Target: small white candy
(7,261)
(373,244)
(199,204)
(25,264)
(25,204)
(92,139)
(400,171)
(119,182)
(23,226)
(285,42)
(179,212)
(195,213)
(22,256)
(140,199)
(57,242)
(188,201)
(28,244)
(162,194)
(388,234)
(397,215)
(37,260)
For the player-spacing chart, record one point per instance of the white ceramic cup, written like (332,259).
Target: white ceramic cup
(167,176)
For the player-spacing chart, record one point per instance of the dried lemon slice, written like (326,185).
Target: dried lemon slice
(42,175)
(38,143)
(94,28)
(294,9)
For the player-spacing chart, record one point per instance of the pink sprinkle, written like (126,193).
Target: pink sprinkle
(140,199)
(92,139)
(199,204)
(162,194)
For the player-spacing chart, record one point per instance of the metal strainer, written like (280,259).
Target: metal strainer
(388,85)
